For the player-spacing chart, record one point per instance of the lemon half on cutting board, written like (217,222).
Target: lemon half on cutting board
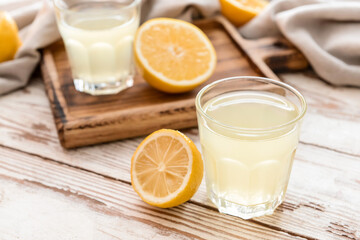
(174,56)
(166,169)
(240,12)
(9,37)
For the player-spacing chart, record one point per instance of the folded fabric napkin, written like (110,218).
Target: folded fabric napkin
(327,32)
(37,30)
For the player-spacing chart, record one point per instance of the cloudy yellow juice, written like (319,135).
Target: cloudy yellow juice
(248,157)
(98,38)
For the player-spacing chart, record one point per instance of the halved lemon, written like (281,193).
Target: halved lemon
(173,55)
(240,12)
(166,169)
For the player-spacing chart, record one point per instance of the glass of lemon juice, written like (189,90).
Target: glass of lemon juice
(98,37)
(249,131)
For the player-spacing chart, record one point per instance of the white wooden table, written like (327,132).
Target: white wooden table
(47,192)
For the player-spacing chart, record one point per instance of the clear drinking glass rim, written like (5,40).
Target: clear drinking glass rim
(62,7)
(259,79)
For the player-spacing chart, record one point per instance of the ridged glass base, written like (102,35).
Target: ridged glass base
(103,88)
(245,211)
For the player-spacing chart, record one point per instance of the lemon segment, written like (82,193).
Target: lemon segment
(166,169)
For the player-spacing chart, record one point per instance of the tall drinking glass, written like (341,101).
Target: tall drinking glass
(98,37)
(249,131)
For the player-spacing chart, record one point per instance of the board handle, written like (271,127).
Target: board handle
(279,54)
(267,54)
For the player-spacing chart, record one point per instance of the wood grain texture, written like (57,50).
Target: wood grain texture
(30,210)
(92,182)
(134,218)
(323,194)
(269,54)
(333,116)
(82,119)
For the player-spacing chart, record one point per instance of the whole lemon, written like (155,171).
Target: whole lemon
(9,37)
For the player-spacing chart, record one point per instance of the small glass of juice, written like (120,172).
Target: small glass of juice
(249,131)
(98,37)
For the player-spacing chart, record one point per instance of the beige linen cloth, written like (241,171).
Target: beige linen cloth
(327,32)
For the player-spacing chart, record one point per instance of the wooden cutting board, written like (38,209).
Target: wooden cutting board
(82,119)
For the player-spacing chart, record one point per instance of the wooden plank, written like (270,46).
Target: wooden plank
(82,119)
(321,194)
(318,180)
(333,116)
(26,122)
(30,210)
(127,216)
